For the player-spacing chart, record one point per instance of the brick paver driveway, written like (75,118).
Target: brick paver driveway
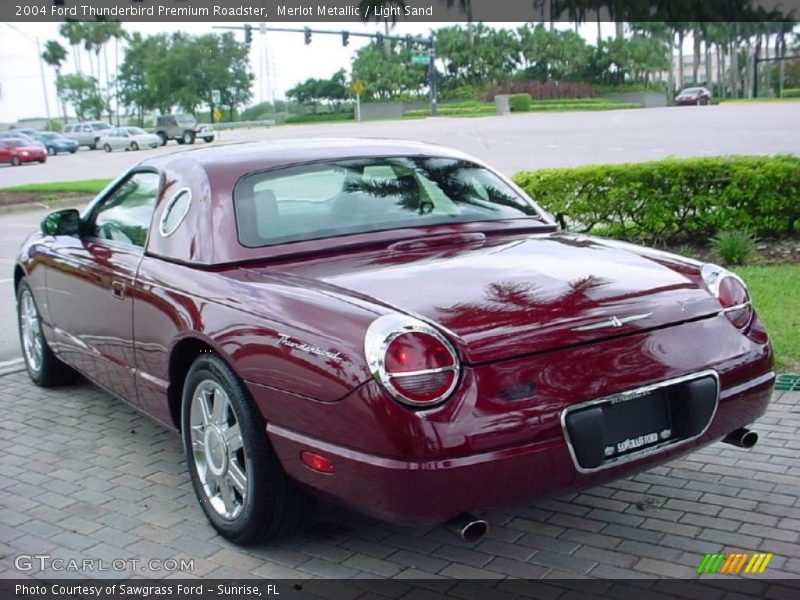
(82,475)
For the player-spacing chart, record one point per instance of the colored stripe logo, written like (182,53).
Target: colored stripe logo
(735,563)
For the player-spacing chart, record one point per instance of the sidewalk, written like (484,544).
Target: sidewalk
(84,476)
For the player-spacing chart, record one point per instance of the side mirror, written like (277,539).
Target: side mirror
(62,222)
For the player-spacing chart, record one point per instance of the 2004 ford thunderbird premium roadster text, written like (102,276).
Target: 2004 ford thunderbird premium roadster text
(391,325)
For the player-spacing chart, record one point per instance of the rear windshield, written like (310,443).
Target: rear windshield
(353,196)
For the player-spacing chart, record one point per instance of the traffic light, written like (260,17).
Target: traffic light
(379,39)
(409,43)
(345,38)
(307,33)
(248,34)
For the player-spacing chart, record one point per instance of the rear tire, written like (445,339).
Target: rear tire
(163,137)
(236,475)
(51,151)
(134,146)
(188,137)
(43,366)
(15,161)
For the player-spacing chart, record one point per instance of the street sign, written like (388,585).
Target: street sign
(420,59)
(216,96)
(217,116)
(358,87)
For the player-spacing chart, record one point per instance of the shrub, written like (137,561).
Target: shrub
(791,93)
(319,117)
(672,199)
(55,125)
(519,102)
(733,247)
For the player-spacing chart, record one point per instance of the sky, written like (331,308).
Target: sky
(279,60)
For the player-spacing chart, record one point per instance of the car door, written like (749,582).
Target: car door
(90,280)
(5,152)
(121,139)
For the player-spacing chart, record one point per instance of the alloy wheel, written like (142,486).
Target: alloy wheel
(32,343)
(220,459)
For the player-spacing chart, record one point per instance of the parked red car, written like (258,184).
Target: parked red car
(17,151)
(392,325)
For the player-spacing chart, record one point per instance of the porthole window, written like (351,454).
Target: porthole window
(175,211)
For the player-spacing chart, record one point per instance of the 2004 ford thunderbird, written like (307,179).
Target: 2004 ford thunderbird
(391,325)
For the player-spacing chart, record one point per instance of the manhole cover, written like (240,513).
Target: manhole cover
(788,383)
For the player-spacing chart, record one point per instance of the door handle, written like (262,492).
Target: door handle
(118,289)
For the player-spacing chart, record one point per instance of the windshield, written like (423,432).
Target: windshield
(361,195)
(135,131)
(101,126)
(50,136)
(691,91)
(16,143)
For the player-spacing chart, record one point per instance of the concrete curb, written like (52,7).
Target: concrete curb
(11,366)
(54,205)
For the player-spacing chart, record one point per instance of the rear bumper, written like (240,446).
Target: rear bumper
(430,491)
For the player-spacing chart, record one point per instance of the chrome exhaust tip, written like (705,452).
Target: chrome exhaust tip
(743,438)
(468,527)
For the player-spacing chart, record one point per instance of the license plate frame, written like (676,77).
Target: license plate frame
(691,399)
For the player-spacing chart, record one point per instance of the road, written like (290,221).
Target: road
(510,143)
(515,142)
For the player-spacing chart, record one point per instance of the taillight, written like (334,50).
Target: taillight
(731,293)
(413,361)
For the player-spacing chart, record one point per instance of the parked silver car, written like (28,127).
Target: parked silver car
(128,138)
(88,133)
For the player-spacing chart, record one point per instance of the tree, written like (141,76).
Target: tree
(73,31)
(54,54)
(387,76)
(83,94)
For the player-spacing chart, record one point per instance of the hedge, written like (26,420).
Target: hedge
(674,198)
(519,102)
(319,117)
(791,93)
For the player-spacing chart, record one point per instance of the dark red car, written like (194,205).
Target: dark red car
(693,96)
(16,151)
(391,325)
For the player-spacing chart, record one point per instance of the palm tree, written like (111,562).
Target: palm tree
(368,9)
(54,54)
(73,31)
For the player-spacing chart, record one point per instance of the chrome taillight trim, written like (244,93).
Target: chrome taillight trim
(382,332)
(713,275)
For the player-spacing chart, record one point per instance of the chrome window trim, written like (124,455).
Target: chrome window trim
(632,395)
(166,212)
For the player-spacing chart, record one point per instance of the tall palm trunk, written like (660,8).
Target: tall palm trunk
(734,53)
(680,59)
(720,70)
(695,55)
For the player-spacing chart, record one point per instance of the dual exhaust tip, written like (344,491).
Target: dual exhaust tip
(470,528)
(742,438)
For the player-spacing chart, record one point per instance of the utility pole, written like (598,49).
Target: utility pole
(35,40)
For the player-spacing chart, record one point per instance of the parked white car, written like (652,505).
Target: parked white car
(128,138)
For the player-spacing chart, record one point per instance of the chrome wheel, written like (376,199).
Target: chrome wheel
(218,450)
(30,326)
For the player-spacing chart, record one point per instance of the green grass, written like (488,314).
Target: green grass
(757,100)
(85,186)
(776,295)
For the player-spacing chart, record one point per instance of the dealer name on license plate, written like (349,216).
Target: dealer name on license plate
(629,444)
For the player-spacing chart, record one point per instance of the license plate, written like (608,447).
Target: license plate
(635,424)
